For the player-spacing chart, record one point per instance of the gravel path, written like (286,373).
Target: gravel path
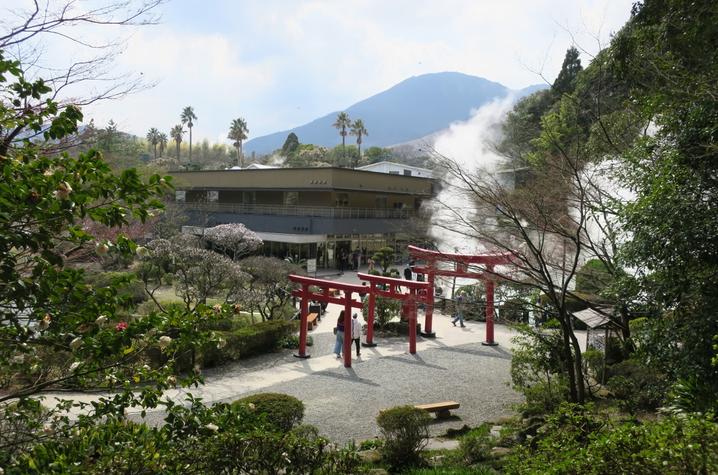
(344,402)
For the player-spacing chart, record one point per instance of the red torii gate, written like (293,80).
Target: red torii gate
(461,269)
(305,294)
(418,292)
(409,300)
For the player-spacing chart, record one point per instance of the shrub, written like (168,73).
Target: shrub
(129,287)
(261,337)
(637,387)
(343,460)
(292,342)
(405,430)
(150,306)
(399,328)
(281,410)
(577,442)
(476,445)
(537,369)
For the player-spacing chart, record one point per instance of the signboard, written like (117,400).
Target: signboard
(311,265)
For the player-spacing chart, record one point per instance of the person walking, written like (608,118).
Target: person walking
(356,333)
(339,332)
(459,312)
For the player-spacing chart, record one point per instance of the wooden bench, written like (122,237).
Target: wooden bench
(442,409)
(312,320)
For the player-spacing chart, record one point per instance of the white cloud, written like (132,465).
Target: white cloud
(279,64)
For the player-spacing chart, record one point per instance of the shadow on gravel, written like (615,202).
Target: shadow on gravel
(415,360)
(351,376)
(490,351)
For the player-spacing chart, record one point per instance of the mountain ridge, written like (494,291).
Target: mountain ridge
(413,108)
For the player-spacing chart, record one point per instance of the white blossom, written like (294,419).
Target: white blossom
(101,320)
(165,341)
(63,190)
(74,366)
(76,343)
(234,237)
(212,427)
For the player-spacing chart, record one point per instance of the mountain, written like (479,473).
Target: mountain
(414,108)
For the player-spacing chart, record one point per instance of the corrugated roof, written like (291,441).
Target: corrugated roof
(594,319)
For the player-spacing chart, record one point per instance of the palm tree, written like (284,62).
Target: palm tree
(238,132)
(153,138)
(343,121)
(188,118)
(163,143)
(358,130)
(176,133)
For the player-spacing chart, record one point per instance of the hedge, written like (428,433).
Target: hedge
(252,340)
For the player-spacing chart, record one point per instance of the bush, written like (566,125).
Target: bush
(578,442)
(399,328)
(405,430)
(261,337)
(281,410)
(129,287)
(292,342)
(637,387)
(476,445)
(150,306)
(537,369)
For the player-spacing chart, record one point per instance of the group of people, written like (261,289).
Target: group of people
(356,330)
(356,327)
(352,261)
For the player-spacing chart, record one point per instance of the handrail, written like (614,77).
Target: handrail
(337,212)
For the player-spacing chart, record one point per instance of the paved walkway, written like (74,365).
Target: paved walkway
(344,402)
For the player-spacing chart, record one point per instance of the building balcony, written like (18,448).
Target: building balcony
(330,212)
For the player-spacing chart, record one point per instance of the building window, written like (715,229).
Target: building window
(342,199)
(180,196)
(212,196)
(407,172)
(291,198)
(249,197)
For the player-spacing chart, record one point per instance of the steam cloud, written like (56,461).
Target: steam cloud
(469,145)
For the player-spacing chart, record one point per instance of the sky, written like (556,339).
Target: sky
(282,63)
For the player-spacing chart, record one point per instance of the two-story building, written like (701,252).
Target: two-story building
(310,213)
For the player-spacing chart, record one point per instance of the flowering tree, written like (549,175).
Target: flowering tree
(268,288)
(198,274)
(234,239)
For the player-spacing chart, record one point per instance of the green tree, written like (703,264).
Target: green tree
(377,154)
(565,82)
(291,144)
(359,131)
(176,133)
(188,117)
(238,132)
(57,329)
(162,140)
(667,55)
(153,138)
(342,123)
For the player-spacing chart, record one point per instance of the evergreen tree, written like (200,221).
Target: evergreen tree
(565,83)
(290,145)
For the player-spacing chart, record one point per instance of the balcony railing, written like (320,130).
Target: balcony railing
(310,211)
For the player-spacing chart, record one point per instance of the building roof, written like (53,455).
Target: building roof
(372,166)
(594,319)
(329,178)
